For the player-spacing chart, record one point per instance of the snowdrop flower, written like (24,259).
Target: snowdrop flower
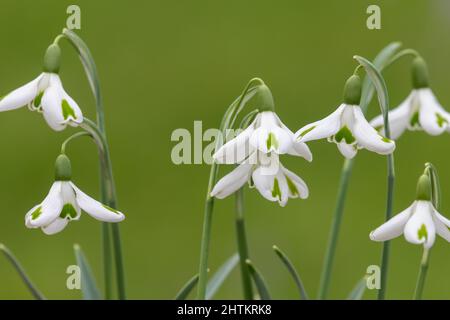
(263,171)
(347,126)
(419,111)
(419,223)
(266,133)
(47,95)
(64,203)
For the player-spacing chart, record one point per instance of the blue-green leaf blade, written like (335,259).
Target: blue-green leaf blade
(220,276)
(259,281)
(88,286)
(187,288)
(359,289)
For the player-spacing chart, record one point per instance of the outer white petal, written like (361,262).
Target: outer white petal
(368,137)
(301,189)
(270,136)
(96,209)
(347,150)
(323,128)
(420,218)
(50,208)
(28,216)
(393,227)
(232,181)
(441,228)
(441,218)
(51,107)
(237,149)
(429,111)
(301,149)
(56,226)
(398,119)
(21,96)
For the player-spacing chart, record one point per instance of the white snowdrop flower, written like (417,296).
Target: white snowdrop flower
(64,203)
(264,172)
(47,95)
(347,126)
(419,223)
(419,111)
(266,133)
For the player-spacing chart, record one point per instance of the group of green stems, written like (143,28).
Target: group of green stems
(373,82)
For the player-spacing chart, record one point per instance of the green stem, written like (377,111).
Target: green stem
(73,137)
(422,274)
(387,244)
(241,237)
(108,193)
(204,250)
(335,228)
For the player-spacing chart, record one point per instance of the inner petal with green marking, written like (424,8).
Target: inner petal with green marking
(292,187)
(276,192)
(68,211)
(271,141)
(422,232)
(414,120)
(67,110)
(36,213)
(38,99)
(440,120)
(344,134)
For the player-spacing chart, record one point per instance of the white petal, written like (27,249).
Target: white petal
(271,187)
(323,128)
(49,209)
(71,210)
(237,149)
(432,117)
(29,215)
(421,223)
(441,218)
(368,137)
(300,149)
(347,150)
(441,228)
(96,209)
(21,96)
(270,136)
(393,227)
(297,187)
(51,107)
(56,226)
(232,181)
(399,119)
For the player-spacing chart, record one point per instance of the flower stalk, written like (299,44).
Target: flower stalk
(422,274)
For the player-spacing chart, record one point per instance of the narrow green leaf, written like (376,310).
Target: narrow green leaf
(22,273)
(187,288)
(259,281)
(88,286)
(221,274)
(298,281)
(359,289)
(380,86)
(381,61)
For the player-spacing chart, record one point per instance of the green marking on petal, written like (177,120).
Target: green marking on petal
(384,139)
(271,141)
(303,133)
(344,134)
(414,121)
(111,209)
(36,213)
(276,192)
(38,99)
(378,128)
(292,187)
(422,232)
(68,211)
(67,110)
(440,120)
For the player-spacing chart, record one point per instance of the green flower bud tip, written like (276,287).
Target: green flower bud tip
(424,188)
(264,99)
(52,59)
(352,90)
(420,73)
(63,168)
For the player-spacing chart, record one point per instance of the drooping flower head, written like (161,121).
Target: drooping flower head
(347,126)
(257,150)
(46,94)
(419,223)
(64,203)
(419,111)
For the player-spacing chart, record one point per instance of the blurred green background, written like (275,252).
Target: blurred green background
(165,64)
